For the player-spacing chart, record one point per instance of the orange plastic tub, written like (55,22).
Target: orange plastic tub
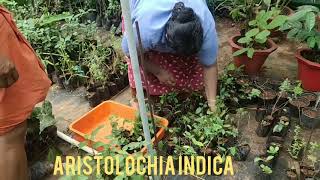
(101,115)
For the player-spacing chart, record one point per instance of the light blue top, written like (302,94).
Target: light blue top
(153,15)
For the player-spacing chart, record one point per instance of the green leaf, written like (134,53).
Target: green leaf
(245,40)
(199,110)
(252,23)
(269,158)
(197,143)
(311,42)
(263,35)
(252,33)
(298,15)
(96,131)
(137,177)
(292,33)
(266,17)
(267,2)
(240,52)
(250,52)
(310,20)
(98,144)
(277,22)
(82,144)
(278,128)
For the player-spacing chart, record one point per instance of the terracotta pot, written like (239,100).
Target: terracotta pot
(251,66)
(307,71)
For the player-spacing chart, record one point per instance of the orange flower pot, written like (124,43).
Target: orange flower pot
(100,115)
(251,66)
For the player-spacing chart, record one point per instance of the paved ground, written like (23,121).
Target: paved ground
(281,64)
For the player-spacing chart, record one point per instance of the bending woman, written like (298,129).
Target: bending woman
(180,44)
(23,84)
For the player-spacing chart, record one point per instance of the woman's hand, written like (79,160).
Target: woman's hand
(165,78)
(8,73)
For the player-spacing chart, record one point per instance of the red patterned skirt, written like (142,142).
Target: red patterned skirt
(188,73)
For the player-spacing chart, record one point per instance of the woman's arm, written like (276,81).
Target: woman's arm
(2,93)
(164,76)
(211,81)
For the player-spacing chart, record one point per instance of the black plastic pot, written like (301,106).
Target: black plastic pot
(113,89)
(312,97)
(284,131)
(263,129)
(275,139)
(295,110)
(268,97)
(103,93)
(260,114)
(94,99)
(310,118)
(242,152)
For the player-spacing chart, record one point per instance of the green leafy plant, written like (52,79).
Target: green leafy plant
(273,150)
(280,125)
(259,31)
(297,144)
(254,93)
(262,163)
(266,169)
(302,26)
(120,148)
(44,115)
(313,153)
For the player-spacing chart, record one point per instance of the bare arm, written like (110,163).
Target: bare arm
(211,81)
(150,67)
(164,76)
(2,93)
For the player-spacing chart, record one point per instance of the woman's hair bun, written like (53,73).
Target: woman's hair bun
(182,14)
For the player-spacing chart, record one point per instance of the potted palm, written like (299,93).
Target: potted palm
(252,47)
(304,26)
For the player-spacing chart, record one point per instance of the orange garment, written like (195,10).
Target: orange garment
(33,84)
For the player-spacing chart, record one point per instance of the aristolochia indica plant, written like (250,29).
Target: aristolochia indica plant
(302,26)
(260,30)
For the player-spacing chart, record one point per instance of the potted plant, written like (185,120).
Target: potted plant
(304,27)
(242,152)
(314,158)
(252,47)
(310,118)
(273,150)
(263,128)
(297,144)
(281,128)
(265,165)
(296,102)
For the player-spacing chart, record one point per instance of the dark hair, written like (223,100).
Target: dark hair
(184,32)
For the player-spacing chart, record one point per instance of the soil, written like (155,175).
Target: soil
(310,96)
(268,95)
(300,102)
(311,113)
(313,56)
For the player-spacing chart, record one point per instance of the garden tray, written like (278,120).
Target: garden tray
(100,115)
